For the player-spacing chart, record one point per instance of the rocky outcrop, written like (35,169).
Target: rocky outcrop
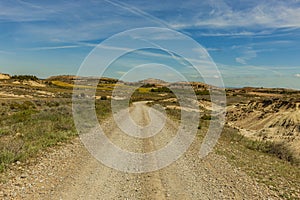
(4,76)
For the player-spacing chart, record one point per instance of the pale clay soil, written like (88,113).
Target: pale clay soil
(70,172)
(278,121)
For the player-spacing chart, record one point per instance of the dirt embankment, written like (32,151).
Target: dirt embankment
(275,120)
(4,76)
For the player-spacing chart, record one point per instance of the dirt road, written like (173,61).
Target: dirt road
(75,174)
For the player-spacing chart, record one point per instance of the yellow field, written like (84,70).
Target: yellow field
(107,87)
(144,90)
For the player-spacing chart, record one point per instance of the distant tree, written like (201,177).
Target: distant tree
(148,85)
(25,77)
(161,89)
(202,92)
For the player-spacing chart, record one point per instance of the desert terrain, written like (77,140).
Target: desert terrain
(42,157)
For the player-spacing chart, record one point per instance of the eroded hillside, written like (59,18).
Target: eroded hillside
(272,119)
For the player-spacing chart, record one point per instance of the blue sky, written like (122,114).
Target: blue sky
(253,43)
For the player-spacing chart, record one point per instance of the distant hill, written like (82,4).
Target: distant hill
(66,78)
(70,79)
(29,80)
(153,81)
(4,76)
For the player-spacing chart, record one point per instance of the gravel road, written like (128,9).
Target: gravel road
(70,172)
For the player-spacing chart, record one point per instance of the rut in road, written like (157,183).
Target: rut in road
(188,178)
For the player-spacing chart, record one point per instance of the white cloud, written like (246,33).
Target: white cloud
(255,70)
(71,22)
(121,72)
(230,34)
(213,49)
(240,60)
(21,11)
(297,75)
(5,52)
(247,54)
(138,12)
(268,14)
(75,22)
(52,48)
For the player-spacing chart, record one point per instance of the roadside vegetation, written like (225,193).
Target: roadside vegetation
(268,163)
(28,127)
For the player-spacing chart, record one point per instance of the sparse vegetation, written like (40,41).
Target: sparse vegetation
(25,77)
(206,117)
(148,85)
(103,98)
(27,127)
(161,89)
(30,125)
(262,162)
(202,92)
(276,149)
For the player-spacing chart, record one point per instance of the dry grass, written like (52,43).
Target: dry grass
(29,127)
(261,162)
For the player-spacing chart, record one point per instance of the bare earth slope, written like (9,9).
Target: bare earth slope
(71,173)
(269,119)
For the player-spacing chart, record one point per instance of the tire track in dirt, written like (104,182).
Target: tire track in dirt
(187,178)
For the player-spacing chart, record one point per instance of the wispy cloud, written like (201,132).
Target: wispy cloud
(214,49)
(240,60)
(120,72)
(247,55)
(297,75)
(138,12)
(230,34)
(267,14)
(5,52)
(257,70)
(271,29)
(52,48)
(74,23)
(22,11)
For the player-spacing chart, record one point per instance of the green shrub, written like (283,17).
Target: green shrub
(3,132)
(52,104)
(25,77)
(148,85)
(161,89)
(202,92)
(206,117)
(278,149)
(22,105)
(6,157)
(26,132)
(103,98)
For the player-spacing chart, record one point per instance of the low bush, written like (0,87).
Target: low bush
(25,77)
(206,117)
(161,89)
(278,149)
(26,130)
(103,98)
(202,92)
